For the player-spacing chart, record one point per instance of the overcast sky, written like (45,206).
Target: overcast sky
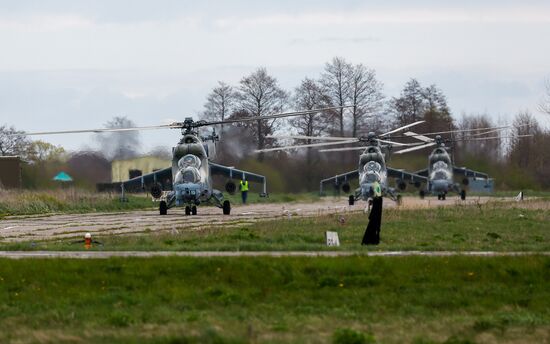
(70,64)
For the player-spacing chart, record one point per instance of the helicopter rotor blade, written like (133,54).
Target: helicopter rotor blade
(492,138)
(406,150)
(103,130)
(418,136)
(496,130)
(304,137)
(304,146)
(456,131)
(399,144)
(342,149)
(401,128)
(279,115)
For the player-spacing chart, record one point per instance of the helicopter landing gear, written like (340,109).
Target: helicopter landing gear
(226,207)
(163,208)
(399,200)
(187,210)
(441,197)
(351,200)
(193,210)
(463,195)
(422,194)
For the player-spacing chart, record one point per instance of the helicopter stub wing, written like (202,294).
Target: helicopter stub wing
(403,175)
(342,178)
(423,172)
(163,176)
(469,173)
(235,173)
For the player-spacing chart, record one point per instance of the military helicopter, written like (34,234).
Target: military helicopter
(191,171)
(372,164)
(441,170)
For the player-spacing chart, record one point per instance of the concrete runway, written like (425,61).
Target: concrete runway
(211,254)
(67,226)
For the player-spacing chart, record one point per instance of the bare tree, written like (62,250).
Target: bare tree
(365,96)
(309,96)
(220,103)
(260,95)
(13,142)
(523,151)
(544,105)
(410,105)
(336,83)
(119,145)
(485,149)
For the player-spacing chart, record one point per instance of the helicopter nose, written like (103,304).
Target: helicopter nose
(440,185)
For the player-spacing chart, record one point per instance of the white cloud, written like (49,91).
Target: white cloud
(391,15)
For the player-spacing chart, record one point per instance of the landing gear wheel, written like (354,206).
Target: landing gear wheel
(351,200)
(187,210)
(163,208)
(399,200)
(194,210)
(443,197)
(226,207)
(439,197)
(422,194)
(463,195)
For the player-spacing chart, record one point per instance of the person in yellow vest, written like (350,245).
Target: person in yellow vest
(376,189)
(244,189)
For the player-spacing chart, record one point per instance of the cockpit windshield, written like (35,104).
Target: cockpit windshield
(440,165)
(189,160)
(372,166)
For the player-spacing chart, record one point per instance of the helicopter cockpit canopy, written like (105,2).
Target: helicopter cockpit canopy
(440,165)
(189,169)
(189,160)
(372,166)
(371,171)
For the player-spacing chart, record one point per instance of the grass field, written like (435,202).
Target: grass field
(66,201)
(80,201)
(491,226)
(279,300)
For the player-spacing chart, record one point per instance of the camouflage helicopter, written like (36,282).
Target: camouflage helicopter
(441,170)
(191,171)
(372,164)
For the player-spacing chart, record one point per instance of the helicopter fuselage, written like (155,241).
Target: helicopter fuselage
(440,172)
(191,182)
(372,167)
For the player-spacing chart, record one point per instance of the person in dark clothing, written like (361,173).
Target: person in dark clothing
(372,233)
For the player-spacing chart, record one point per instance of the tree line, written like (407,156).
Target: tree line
(514,162)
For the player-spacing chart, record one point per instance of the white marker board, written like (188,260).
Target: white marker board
(332,238)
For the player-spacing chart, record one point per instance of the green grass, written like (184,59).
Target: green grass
(66,201)
(80,201)
(280,300)
(492,227)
